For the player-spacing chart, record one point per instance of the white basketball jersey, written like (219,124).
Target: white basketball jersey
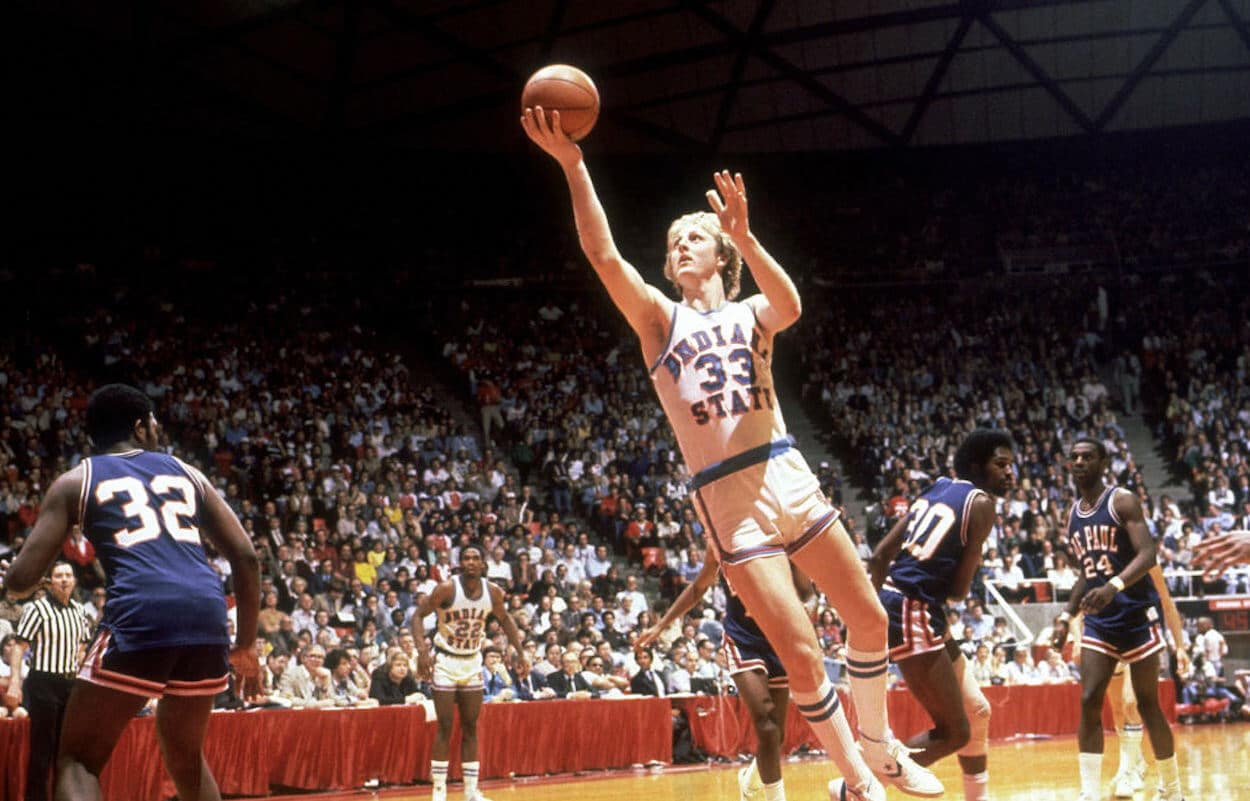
(462,626)
(715,382)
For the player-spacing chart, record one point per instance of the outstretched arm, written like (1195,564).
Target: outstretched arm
(1223,551)
(645,307)
(883,555)
(778,306)
(57,515)
(690,596)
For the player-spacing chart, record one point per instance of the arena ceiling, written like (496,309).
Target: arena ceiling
(675,75)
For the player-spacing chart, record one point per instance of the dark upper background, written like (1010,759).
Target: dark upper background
(373,130)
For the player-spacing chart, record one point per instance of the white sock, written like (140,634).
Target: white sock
(1091,774)
(775,791)
(753,774)
(866,670)
(1170,776)
(470,778)
(977,786)
(438,773)
(1130,746)
(824,714)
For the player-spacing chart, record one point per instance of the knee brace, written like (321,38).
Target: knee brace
(978,709)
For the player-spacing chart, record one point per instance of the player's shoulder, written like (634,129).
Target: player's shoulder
(193,472)
(69,486)
(1122,500)
(72,477)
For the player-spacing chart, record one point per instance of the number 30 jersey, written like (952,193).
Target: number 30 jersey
(141,512)
(937,532)
(715,382)
(1102,547)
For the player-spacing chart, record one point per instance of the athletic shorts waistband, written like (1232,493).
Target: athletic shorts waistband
(760,453)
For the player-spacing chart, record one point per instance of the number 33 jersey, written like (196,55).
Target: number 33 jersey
(937,531)
(141,512)
(715,382)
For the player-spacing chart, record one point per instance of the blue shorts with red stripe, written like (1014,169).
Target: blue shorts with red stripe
(915,626)
(1129,640)
(749,653)
(155,672)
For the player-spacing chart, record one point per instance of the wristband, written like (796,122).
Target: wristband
(1064,617)
(1118,583)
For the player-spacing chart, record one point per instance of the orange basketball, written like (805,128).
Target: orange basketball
(567,89)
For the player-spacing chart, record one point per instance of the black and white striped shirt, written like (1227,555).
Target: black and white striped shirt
(56,633)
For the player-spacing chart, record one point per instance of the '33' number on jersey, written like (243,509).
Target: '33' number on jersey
(138,504)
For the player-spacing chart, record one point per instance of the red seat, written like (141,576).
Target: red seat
(1215,706)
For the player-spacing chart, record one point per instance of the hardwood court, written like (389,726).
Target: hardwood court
(1215,764)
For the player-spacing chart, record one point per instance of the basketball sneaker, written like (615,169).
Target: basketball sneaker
(750,788)
(439,794)
(839,790)
(1162,794)
(1129,779)
(476,797)
(891,762)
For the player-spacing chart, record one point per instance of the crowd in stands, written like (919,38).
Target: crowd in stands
(900,383)
(359,488)
(360,482)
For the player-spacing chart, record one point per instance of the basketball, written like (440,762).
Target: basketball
(568,90)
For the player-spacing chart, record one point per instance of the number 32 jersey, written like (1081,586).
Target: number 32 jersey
(937,532)
(715,382)
(141,512)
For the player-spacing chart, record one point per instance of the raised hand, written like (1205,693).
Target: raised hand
(729,201)
(647,636)
(545,131)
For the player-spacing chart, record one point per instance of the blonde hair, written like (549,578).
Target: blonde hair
(731,275)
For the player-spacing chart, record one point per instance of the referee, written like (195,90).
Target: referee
(56,628)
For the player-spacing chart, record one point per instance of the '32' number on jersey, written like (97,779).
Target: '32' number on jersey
(178,504)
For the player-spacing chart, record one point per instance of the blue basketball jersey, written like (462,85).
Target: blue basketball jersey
(1102,547)
(140,509)
(937,531)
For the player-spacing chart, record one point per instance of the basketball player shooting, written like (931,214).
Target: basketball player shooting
(710,358)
